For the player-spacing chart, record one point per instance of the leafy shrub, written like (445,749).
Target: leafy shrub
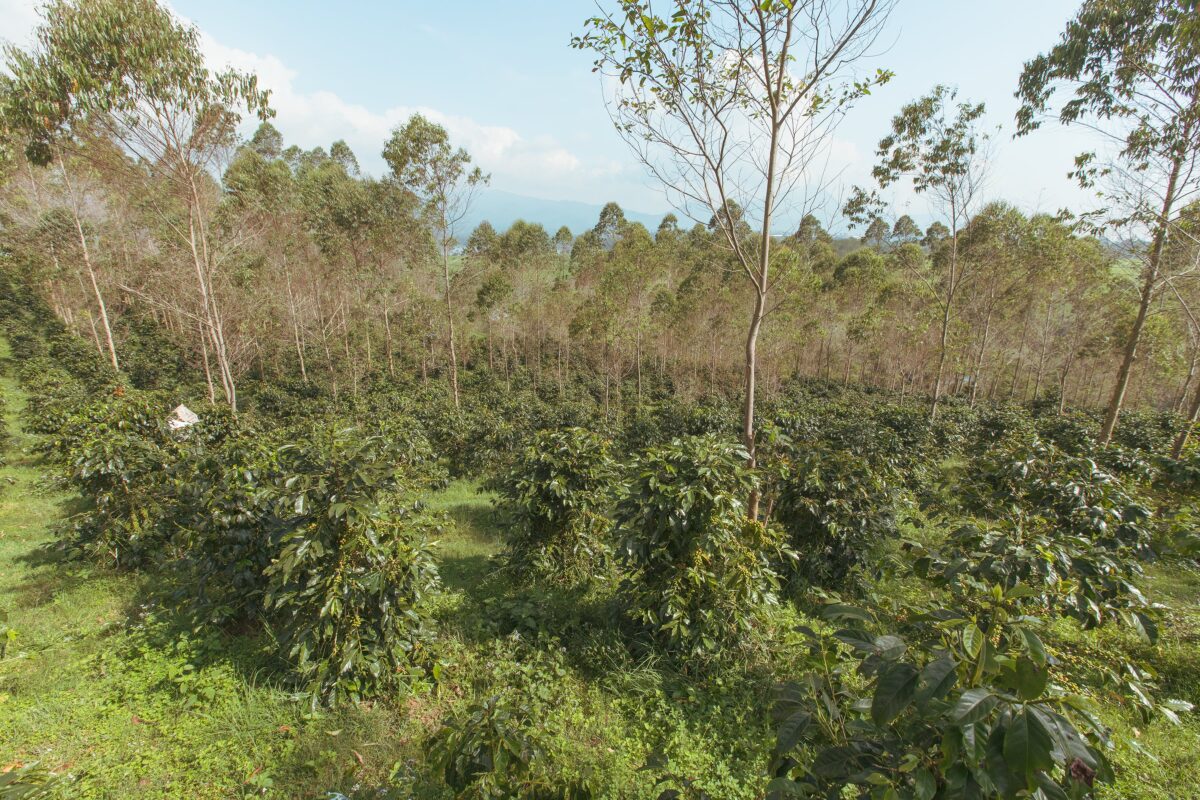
(1053,569)
(1074,433)
(227,527)
(968,712)
(54,395)
(1176,491)
(1037,483)
(554,500)
(344,589)
(116,453)
(835,507)
(1000,423)
(1065,528)
(698,567)
(284,400)
(493,751)
(652,425)
(1148,431)
(413,454)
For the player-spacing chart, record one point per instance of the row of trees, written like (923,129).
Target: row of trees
(130,198)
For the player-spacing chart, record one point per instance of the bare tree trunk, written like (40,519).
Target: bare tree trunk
(639,365)
(748,432)
(295,324)
(1181,440)
(450,323)
(1150,278)
(212,392)
(946,316)
(387,328)
(200,261)
(325,346)
(95,333)
(1181,398)
(987,326)
(1041,367)
(87,263)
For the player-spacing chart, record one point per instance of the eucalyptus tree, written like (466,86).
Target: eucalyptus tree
(941,147)
(905,230)
(994,245)
(32,92)
(563,239)
(632,273)
(1132,69)
(877,233)
(1182,251)
(935,234)
(423,161)
(128,70)
(610,225)
(731,101)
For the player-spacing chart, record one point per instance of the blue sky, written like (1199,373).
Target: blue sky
(502,78)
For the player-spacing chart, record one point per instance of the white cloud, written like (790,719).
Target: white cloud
(318,118)
(536,164)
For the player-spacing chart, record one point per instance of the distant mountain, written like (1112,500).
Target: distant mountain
(502,209)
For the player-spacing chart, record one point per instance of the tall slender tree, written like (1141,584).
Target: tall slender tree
(1132,68)
(940,146)
(129,71)
(422,160)
(730,103)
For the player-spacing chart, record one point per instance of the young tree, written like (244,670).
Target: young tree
(563,239)
(939,145)
(730,103)
(905,230)
(877,233)
(126,69)
(422,161)
(1133,69)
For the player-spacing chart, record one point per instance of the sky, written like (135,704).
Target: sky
(503,80)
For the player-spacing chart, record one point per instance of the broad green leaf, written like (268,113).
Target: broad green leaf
(1027,744)
(894,691)
(937,679)
(974,705)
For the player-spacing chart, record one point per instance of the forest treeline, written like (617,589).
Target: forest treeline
(328,277)
(256,259)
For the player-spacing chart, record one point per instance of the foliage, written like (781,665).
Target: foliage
(115,452)
(28,782)
(836,507)
(1054,570)
(1036,483)
(490,751)
(1176,492)
(226,504)
(697,567)
(344,588)
(1066,528)
(555,499)
(968,711)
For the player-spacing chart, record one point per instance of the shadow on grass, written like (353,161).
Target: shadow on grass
(51,573)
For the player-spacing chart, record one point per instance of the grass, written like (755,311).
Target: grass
(472,541)
(104,686)
(101,685)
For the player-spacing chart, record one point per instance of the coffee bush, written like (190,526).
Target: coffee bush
(697,567)
(555,500)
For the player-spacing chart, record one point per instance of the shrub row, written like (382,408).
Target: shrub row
(312,539)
